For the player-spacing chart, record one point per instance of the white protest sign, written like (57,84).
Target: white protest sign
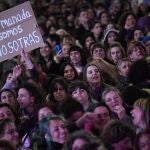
(18,30)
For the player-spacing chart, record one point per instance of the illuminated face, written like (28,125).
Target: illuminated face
(45,51)
(65,50)
(58,131)
(5,112)
(10,134)
(137,34)
(124,68)
(25,99)
(89,40)
(130,22)
(112,99)
(98,53)
(97,29)
(84,16)
(111,37)
(80,95)
(75,57)
(115,54)
(59,93)
(137,53)
(8,98)
(93,75)
(104,19)
(136,114)
(69,73)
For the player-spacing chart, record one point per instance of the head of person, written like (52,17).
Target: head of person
(65,49)
(87,39)
(140,113)
(7,112)
(104,18)
(98,51)
(45,110)
(7,96)
(136,50)
(75,55)
(83,15)
(58,90)
(103,115)
(139,72)
(127,20)
(142,141)
(118,136)
(68,71)
(115,52)
(29,95)
(77,139)
(8,132)
(123,66)
(55,129)
(80,91)
(72,109)
(110,36)
(112,98)
(46,51)
(96,28)
(92,75)
(137,33)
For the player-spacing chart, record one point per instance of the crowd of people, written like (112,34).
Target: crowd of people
(88,88)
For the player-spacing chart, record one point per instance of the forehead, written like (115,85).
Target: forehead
(6,92)
(75,52)
(23,91)
(92,67)
(100,109)
(111,93)
(4,109)
(55,122)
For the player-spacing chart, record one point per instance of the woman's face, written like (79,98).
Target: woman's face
(5,112)
(136,114)
(24,98)
(98,53)
(10,134)
(130,22)
(45,51)
(104,19)
(78,143)
(93,75)
(111,37)
(115,54)
(65,50)
(69,73)
(112,99)
(97,29)
(80,95)
(75,57)
(83,16)
(59,93)
(14,83)
(8,98)
(58,131)
(44,112)
(137,34)
(88,41)
(144,142)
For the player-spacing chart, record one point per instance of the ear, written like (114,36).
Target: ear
(32,99)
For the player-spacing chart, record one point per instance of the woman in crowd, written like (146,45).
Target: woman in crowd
(57,93)
(81,92)
(115,53)
(8,132)
(93,76)
(140,114)
(68,71)
(142,141)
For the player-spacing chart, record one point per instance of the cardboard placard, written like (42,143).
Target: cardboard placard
(18,30)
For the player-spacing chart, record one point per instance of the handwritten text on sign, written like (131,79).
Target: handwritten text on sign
(18,30)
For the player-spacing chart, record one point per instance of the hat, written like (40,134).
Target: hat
(107,32)
(144,39)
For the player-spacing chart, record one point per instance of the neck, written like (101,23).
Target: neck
(95,85)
